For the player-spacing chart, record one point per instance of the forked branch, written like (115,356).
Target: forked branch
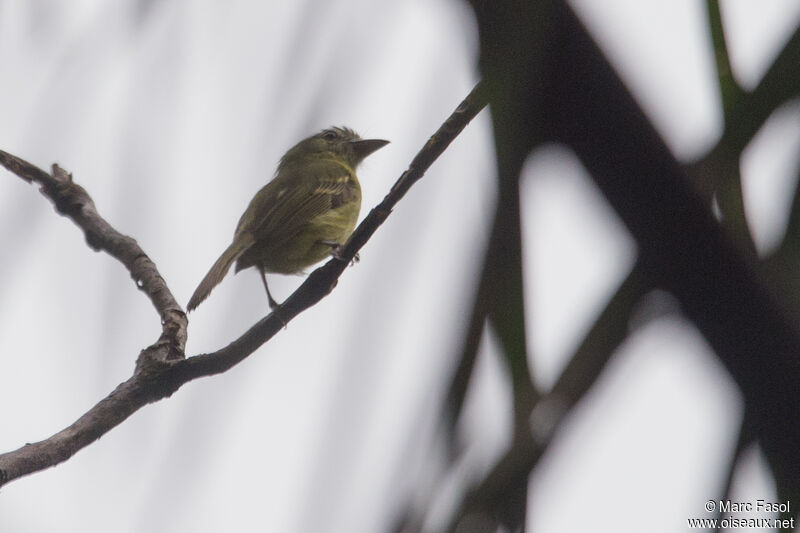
(161,368)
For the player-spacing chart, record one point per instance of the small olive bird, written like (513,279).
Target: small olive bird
(304,214)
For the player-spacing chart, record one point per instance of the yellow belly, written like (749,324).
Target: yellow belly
(305,247)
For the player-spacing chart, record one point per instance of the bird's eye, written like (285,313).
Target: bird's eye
(329,135)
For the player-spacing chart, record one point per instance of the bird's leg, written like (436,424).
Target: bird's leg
(336,249)
(272,303)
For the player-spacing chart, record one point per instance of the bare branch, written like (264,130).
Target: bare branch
(72,201)
(158,375)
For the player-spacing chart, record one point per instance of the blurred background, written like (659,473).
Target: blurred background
(172,114)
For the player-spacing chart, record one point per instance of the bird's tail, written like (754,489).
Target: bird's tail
(218,270)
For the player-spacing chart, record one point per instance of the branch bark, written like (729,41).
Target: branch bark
(161,368)
(72,201)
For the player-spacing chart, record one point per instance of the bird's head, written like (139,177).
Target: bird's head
(341,143)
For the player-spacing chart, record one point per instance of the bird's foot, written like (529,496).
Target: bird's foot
(275,309)
(336,252)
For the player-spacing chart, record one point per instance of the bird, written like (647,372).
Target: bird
(304,214)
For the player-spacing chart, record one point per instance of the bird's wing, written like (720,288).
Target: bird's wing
(284,206)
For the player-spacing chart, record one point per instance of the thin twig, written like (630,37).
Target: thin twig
(72,201)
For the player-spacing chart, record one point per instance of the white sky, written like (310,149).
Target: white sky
(173,122)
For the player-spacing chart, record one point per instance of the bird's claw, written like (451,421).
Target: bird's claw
(336,252)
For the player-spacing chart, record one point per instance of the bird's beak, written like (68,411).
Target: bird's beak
(365,147)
